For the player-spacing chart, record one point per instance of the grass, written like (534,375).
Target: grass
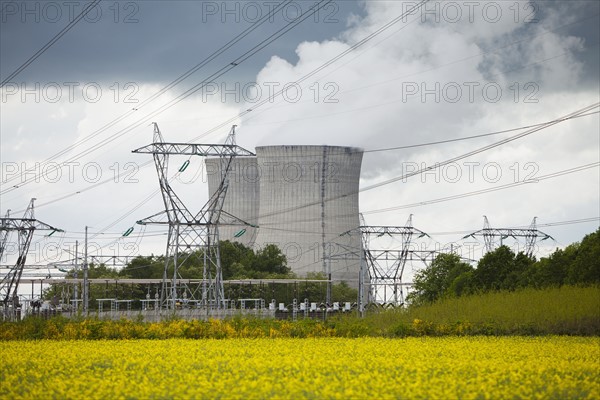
(567,310)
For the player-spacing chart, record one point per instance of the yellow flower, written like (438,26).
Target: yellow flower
(323,368)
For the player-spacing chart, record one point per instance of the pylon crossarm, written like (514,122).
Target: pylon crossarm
(230,219)
(21,224)
(508,232)
(169,217)
(160,218)
(192,149)
(385,230)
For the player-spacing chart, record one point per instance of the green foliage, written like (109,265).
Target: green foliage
(446,276)
(270,262)
(568,310)
(238,262)
(141,267)
(502,269)
(235,260)
(585,268)
(343,292)
(241,262)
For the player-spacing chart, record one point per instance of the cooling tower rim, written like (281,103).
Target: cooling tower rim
(237,158)
(344,149)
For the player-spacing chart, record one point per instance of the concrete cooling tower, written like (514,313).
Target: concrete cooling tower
(302,198)
(242,196)
(308,197)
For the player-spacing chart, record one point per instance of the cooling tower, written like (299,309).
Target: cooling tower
(241,199)
(308,197)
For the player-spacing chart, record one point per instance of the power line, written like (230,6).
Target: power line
(318,69)
(449,198)
(244,57)
(173,83)
(386,82)
(569,116)
(424,144)
(60,34)
(548,224)
(487,147)
(488,190)
(548,176)
(461,232)
(460,139)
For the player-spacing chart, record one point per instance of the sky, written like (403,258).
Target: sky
(434,73)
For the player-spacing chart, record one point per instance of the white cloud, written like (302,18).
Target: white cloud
(382,95)
(428,82)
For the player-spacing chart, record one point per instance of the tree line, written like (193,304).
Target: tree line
(502,269)
(237,262)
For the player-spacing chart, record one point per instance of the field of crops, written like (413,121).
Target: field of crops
(448,367)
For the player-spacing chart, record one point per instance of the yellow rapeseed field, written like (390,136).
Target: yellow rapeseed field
(324,368)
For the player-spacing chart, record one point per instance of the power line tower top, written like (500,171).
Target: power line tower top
(193,233)
(494,236)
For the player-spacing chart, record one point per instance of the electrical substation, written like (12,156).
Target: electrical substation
(304,199)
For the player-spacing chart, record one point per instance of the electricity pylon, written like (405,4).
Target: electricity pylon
(193,234)
(4,234)
(386,267)
(10,282)
(491,235)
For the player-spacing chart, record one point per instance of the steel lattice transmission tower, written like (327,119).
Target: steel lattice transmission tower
(193,234)
(386,267)
(492,237)
(10,282)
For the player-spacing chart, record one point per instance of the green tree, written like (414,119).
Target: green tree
(97,291)
(342,292)
(552,270)
(270,262)
(236,260)
(493,269)
(585,267)
(150,267)
(447,275)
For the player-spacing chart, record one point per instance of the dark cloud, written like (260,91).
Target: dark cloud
(151,41)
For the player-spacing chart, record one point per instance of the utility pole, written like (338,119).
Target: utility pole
(76,291)
(328,298)
(361,286)
(85,275)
